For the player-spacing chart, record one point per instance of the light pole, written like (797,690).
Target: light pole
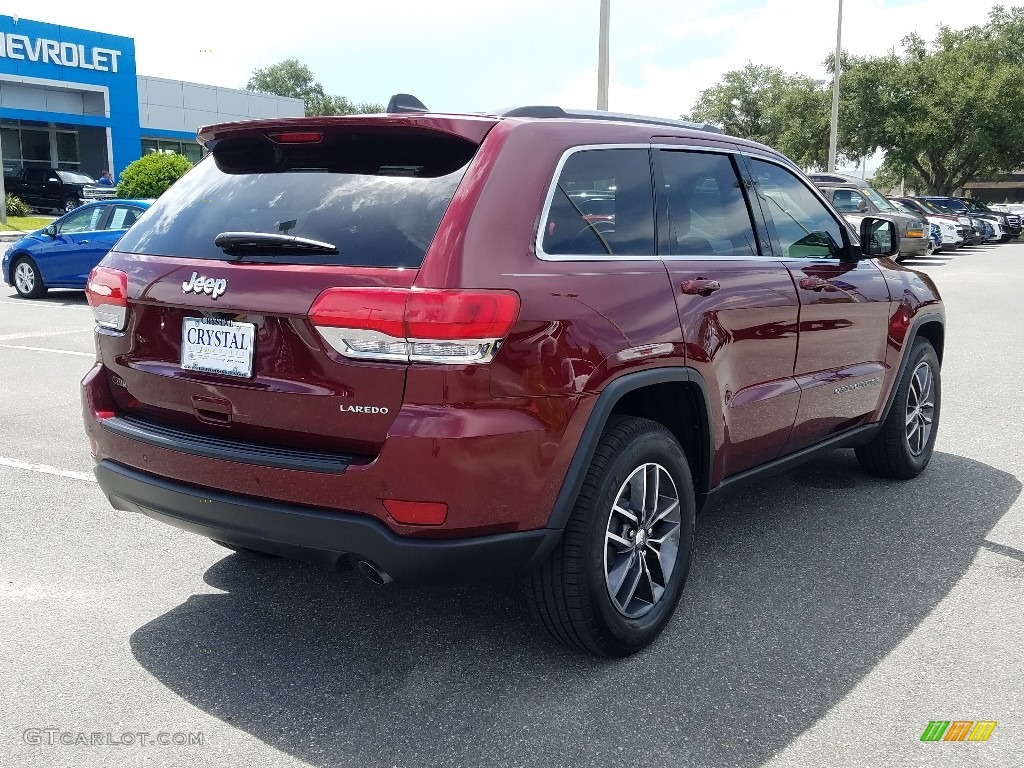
(602,57)
(833,134)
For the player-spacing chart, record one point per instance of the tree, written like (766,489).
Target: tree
(152,174)
(791,113)
(291,78)
(947,113)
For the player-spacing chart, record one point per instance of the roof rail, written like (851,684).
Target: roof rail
(558,112)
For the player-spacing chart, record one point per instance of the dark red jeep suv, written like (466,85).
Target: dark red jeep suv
(523,345)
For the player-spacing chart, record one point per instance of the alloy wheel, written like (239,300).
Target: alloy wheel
(24,278)
(642,540)
(920,408)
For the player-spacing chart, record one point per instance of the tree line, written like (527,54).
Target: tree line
(944,113)
(294,79)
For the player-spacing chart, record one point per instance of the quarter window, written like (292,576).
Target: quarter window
(708,213)
(803,226)
(603,205)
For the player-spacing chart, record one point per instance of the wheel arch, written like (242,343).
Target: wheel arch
(675,397)
(928,326)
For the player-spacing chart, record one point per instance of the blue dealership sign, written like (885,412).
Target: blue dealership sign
(62,58)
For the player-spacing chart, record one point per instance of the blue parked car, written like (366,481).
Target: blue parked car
(63,254)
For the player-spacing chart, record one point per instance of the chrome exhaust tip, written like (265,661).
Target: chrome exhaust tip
(373,573)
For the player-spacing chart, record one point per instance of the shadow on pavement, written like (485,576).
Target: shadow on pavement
(61,297)
(801,585)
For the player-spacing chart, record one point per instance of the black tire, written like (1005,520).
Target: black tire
(27,279)
(69,204)
(570,593)
(898,451)
(242,550)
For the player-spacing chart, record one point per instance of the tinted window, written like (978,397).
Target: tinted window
(123,217)
(848,201)
(73,177)
(804,227)
(708,213)
(378,197)
(86,220)
(625,225)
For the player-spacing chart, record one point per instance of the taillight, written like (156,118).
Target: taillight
(415,325)
(107,293)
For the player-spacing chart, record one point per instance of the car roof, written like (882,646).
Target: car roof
(406,111)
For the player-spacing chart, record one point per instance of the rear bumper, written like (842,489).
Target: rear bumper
(327,538)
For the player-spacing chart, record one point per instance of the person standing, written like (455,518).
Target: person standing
(105,180)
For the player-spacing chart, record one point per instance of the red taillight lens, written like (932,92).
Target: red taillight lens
(444,315)
(107,294)
(418,325)
(367,309)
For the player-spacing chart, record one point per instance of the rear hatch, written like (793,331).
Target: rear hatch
(223,270)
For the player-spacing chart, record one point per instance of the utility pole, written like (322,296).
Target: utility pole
(602,57)
(3,192)
(833,134)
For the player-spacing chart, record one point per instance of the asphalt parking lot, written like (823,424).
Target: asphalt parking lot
(828,618)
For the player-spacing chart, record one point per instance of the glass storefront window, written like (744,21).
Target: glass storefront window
(189,149)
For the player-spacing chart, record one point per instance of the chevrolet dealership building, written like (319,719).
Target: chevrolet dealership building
(71,99)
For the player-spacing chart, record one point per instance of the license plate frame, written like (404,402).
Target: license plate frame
(227,347)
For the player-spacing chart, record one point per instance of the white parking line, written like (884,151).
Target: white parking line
(47,349)
(46,470)
(41,334)
(46,305)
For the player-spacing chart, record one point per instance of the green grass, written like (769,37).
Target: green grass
(25,223)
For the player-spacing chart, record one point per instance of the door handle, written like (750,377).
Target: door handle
(816,284)
(83,242)
(700,286)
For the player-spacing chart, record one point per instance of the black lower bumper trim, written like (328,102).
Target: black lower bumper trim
(321,536)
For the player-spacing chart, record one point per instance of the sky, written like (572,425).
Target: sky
(475,55)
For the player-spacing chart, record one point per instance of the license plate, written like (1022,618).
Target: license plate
(217,346)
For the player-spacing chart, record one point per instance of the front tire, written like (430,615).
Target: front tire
(903,447)
(614,580)
(28,281)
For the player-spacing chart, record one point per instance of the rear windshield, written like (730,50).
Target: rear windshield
(377,197)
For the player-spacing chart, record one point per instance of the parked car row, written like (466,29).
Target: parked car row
(929,223)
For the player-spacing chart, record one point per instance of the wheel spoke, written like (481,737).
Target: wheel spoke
(620,510)
(640,568)
(624,545)
(617,576)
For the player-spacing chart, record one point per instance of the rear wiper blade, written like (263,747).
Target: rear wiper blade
(234,242)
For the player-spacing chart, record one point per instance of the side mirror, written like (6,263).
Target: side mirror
(51,230)
(878,238)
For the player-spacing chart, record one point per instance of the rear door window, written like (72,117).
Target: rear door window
(602,205)
(377,197)
(708,213)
